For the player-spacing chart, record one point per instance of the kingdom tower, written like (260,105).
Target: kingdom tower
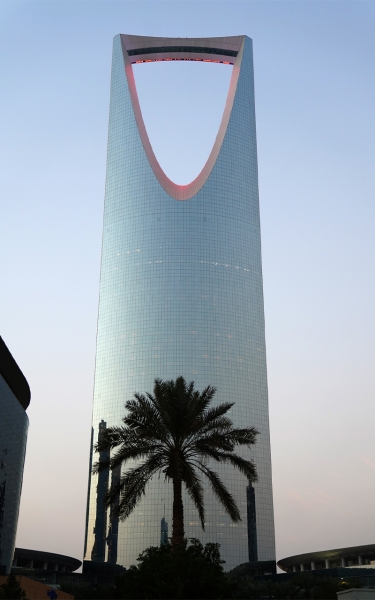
(181,293)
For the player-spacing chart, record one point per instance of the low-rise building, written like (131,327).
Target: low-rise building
(351,557)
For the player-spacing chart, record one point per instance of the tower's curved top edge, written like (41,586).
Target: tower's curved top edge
(226,50)
(134,42)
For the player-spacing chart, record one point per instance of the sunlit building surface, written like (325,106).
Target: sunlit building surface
(14,423)
(181,294)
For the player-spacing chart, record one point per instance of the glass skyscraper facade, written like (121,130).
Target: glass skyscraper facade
(181,294)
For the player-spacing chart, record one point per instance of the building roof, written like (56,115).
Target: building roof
(143,48)
(49,557)
(367,551)
(13,376)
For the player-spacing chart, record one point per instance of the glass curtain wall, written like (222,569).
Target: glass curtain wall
(181,294)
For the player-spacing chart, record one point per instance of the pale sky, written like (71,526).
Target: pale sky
(315,97)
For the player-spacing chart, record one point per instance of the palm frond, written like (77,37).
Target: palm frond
(246,467)
(134,451)
(99,466)
(144,417)
(200,401)
(214,441)
(110,438)
(195,490)
(221,492)
(243,437)
(219,424)
(214,413)
(131,486)
(227,440)
(161,402)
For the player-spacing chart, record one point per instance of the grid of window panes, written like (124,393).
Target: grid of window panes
(181,294)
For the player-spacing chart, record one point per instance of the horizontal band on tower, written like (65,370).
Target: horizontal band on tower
(195,49)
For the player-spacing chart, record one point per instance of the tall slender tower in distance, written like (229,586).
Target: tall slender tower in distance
(181,293)
(163,532)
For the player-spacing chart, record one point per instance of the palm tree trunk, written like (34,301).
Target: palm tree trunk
(178,515)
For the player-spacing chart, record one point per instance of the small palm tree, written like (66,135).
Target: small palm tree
(176,432)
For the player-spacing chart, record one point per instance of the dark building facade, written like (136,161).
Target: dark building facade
(106,520)
(14,400)
(38,560)
(251,524)
(100,528)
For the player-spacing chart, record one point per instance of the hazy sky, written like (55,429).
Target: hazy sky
(315,97)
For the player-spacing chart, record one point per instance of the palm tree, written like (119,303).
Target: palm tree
(174,431)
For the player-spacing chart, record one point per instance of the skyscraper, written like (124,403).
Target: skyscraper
(163,532)
(181,292)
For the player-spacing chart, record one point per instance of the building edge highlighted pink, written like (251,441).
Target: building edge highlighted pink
(212,47)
